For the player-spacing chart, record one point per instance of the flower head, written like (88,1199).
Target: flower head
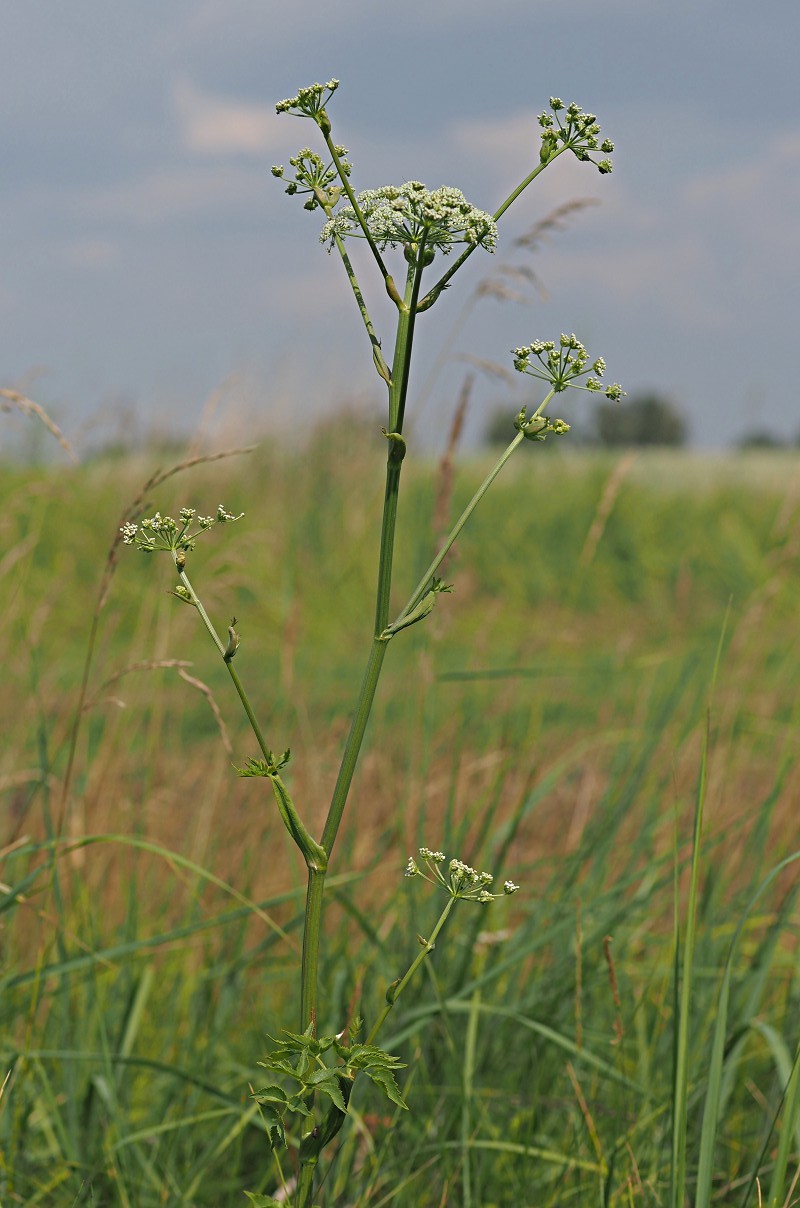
(413,217)
(177,536)
(568,128)
(314,177)
(309,101)
(459,880)
(563,366)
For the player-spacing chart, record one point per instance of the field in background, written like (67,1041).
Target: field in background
(545,722)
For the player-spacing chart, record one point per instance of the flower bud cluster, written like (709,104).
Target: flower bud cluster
(460,881)
(418,220)
(577,132)
(313,176)
(309,101)
(271,766)
(164,533)
(539,427)
(563,366)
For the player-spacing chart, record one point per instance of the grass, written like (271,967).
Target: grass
(599,1039)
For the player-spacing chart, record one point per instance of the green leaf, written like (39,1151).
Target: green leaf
(385,1080)
(265,767)
(272,1094)
(300,1042)
(273,1122)
(327,1081)
(422,609)
(263,1201)
(364,1055)
(277,1066)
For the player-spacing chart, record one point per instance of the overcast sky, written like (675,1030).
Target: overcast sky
(148,257)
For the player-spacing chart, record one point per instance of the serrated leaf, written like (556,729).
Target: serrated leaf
(272,1094)
(281,1067)
(327,1081)
(299,1105)
(299,1042)
(263,1201)
(273,1122)
(385,1080)
(363,1055)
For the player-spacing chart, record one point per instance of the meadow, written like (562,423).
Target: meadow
(623,1031)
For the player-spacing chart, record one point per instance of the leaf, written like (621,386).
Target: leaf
(276,1066)
(273,1122)
(272,1094)
(263,1201)
(363,1055)
(300,1042)
(417,614)
(385,1080)
(327,1081)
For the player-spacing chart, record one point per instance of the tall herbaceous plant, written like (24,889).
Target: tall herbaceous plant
(418,239)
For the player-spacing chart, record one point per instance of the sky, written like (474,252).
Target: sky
(153,273)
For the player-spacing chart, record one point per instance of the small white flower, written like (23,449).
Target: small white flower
(410,216)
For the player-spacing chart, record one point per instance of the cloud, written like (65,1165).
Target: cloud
(97,253)
(675,277)
(212,125)
(696,252)
(286,20)
(754,202)
(162,194)
(508,148)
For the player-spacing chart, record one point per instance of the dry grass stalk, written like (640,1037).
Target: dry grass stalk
(210,408)
(556,220)
(493,286)
(444,491)
(490,368)
(215,709)
(133,510)
(604,507)
(144,665)
(18,402)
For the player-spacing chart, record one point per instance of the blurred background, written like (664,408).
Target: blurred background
(149,261)
(620,612)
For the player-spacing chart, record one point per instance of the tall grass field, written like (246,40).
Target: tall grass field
(605,710)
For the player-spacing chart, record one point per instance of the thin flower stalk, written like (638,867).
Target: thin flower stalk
(420,224)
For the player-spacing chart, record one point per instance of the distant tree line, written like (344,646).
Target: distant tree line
(647,419)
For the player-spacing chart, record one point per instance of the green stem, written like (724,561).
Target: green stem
(397,398)
(422,587)
(434,293)
(372,671)
(424,583)
(522,186)
(386,556)
(310,961)
(305,1183)
(354,739)
(316,876)
(237,683)
(396,990)
(313,854)
(377,355)
(351,197)
(405,341)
